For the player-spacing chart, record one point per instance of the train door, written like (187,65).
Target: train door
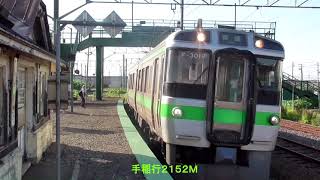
(231,98)
(21,87)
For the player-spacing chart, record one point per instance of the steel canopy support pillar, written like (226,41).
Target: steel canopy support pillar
(99,72)
(71,85)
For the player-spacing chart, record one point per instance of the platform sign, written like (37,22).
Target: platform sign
(118,24)
(85,30)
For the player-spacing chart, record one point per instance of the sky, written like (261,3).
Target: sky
(297,29)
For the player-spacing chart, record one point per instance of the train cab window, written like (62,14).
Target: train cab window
(230,72)
(187,67)
(268,77)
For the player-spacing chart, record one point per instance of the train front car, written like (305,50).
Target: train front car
(221,92)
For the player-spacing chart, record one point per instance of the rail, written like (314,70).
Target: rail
(306,152)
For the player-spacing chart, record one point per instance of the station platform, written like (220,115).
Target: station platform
(100,142)
(95,145)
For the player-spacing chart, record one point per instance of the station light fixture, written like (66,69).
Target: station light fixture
(176,112)
(259,43)
(274,120)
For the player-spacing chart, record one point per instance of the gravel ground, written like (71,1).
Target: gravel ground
(94,137)
(302,133)
(313,131)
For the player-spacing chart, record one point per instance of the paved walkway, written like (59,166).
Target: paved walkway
(93,141)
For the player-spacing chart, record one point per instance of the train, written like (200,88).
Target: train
(215,90)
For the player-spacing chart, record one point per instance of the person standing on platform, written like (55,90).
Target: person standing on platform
(82,94)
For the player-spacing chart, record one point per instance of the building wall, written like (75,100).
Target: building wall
(32,142)
(38,141)
(11,168)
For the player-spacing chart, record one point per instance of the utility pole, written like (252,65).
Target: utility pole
(58,83)
(87,72)
(182,11)
(293,85)
(301,72)
(132,15)
(235,15)
(123,75)
(301,75)
(126,73)
(318,72)
(120,75)
(71,85)
(81,71)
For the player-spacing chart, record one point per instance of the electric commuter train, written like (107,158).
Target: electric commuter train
(214,89)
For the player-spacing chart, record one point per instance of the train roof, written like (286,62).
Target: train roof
(219,38)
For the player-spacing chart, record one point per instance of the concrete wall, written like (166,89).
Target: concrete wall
(11,169)
(38,141)
(108,81)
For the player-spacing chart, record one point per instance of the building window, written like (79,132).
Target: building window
(40,99)
(8,116)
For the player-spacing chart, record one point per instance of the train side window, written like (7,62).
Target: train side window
(142,80)
(139,79)
(133,81)
(150,79)
(146,79)
(130,81)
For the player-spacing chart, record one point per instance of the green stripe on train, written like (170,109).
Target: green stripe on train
(193,113)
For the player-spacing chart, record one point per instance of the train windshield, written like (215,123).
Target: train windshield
(269,76)
(187,66)
(230,78)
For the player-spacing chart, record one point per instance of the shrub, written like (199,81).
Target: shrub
(291,115)
(77,84)
(115,92)
(303,103)
(75,94)
(316,119)
(307,116)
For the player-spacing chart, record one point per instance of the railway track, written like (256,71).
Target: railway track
(308,153)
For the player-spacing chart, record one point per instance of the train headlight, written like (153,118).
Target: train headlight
(274,120)
(201,37)
(177,112)
(259,43)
